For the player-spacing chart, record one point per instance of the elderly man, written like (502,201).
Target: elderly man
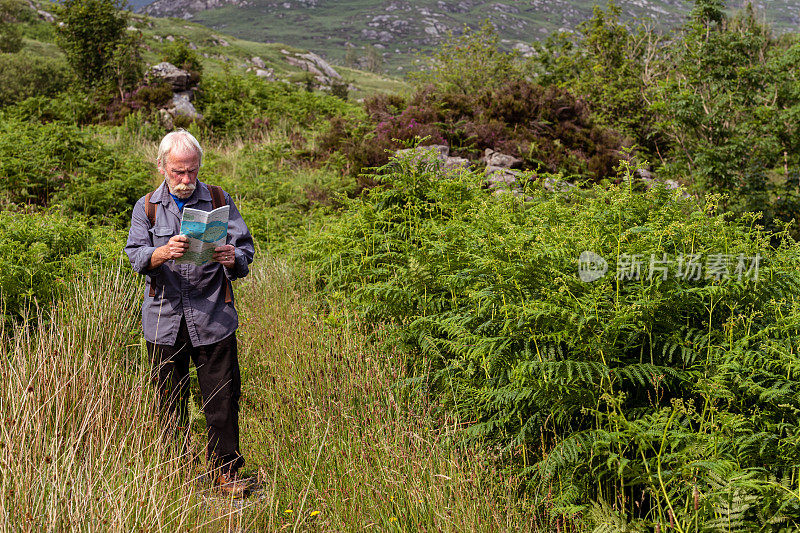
(188,310)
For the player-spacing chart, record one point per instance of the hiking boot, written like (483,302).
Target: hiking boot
(232,485)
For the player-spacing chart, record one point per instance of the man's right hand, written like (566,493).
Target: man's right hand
(174,249)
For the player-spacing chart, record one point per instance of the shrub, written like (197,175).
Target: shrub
(238,105)
(40,253)
(664,399)
(73,107)
(547,127)
(24,75)
(45,164)
(89,33)
(179,54)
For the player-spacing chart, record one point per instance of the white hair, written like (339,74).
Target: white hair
(179,139)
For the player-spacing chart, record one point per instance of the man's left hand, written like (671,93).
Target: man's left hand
(225,255)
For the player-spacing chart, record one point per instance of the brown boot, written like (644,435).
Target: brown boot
(232,485)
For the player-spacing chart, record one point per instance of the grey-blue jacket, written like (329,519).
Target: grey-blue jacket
(196,292)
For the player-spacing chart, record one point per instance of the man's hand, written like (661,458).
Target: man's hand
(174,249)
(225,255)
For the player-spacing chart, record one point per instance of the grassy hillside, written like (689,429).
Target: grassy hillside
(344,31)
(221,51)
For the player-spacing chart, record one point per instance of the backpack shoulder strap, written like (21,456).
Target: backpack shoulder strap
(150,209)
(217,196)
(217,201)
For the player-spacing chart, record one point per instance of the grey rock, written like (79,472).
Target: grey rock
(43,15)
(268,74)
(178,78)
(188,95)
(219,41)
(314,64)
(434,153)
(456,162)
(257,61)
(170,38)
(497,159)
(500,177)
(552,184)
(181,106)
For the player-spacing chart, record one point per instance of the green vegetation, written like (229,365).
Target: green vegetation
(419,352)
(628,389)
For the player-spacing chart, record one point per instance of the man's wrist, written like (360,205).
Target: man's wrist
(159,257)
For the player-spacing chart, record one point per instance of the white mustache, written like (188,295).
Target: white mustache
(184,190)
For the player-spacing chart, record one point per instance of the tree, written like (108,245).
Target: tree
(470,62)
(11,14)
(609,65)
(89,33)
(730,107)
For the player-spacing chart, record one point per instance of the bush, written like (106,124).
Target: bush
(179,54)
(40,253)
(547,127)
(46,164)
(24,75)
(651,399)
(240,105)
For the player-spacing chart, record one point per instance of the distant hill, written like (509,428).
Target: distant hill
(350,31)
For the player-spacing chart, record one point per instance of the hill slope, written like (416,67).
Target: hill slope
(344,31)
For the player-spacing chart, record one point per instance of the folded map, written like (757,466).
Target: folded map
(206,230)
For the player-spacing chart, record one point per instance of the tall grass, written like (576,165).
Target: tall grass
(81,447)
(330,443)
(333,443)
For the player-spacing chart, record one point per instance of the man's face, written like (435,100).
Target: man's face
(180,169)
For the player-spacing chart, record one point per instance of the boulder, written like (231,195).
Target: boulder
(258,62)
(451,163)
(268,74)
(181,106)
(433,152)
(552,184)
(178,78)
(500,177)
(312,63)
(496,159)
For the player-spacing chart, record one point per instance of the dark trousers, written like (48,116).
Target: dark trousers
(220,384)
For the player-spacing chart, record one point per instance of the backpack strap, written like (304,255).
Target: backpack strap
(150,211)
(217,201)
(217,196)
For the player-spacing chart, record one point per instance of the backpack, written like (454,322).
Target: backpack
(217,200)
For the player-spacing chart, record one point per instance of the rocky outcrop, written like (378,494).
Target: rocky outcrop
(187,8)
(182,93)
(169,73)
(435,153)
(323,73)
(496,159)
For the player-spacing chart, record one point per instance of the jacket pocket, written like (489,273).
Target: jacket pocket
(160,235)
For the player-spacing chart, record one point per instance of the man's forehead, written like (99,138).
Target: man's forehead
(183,156)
